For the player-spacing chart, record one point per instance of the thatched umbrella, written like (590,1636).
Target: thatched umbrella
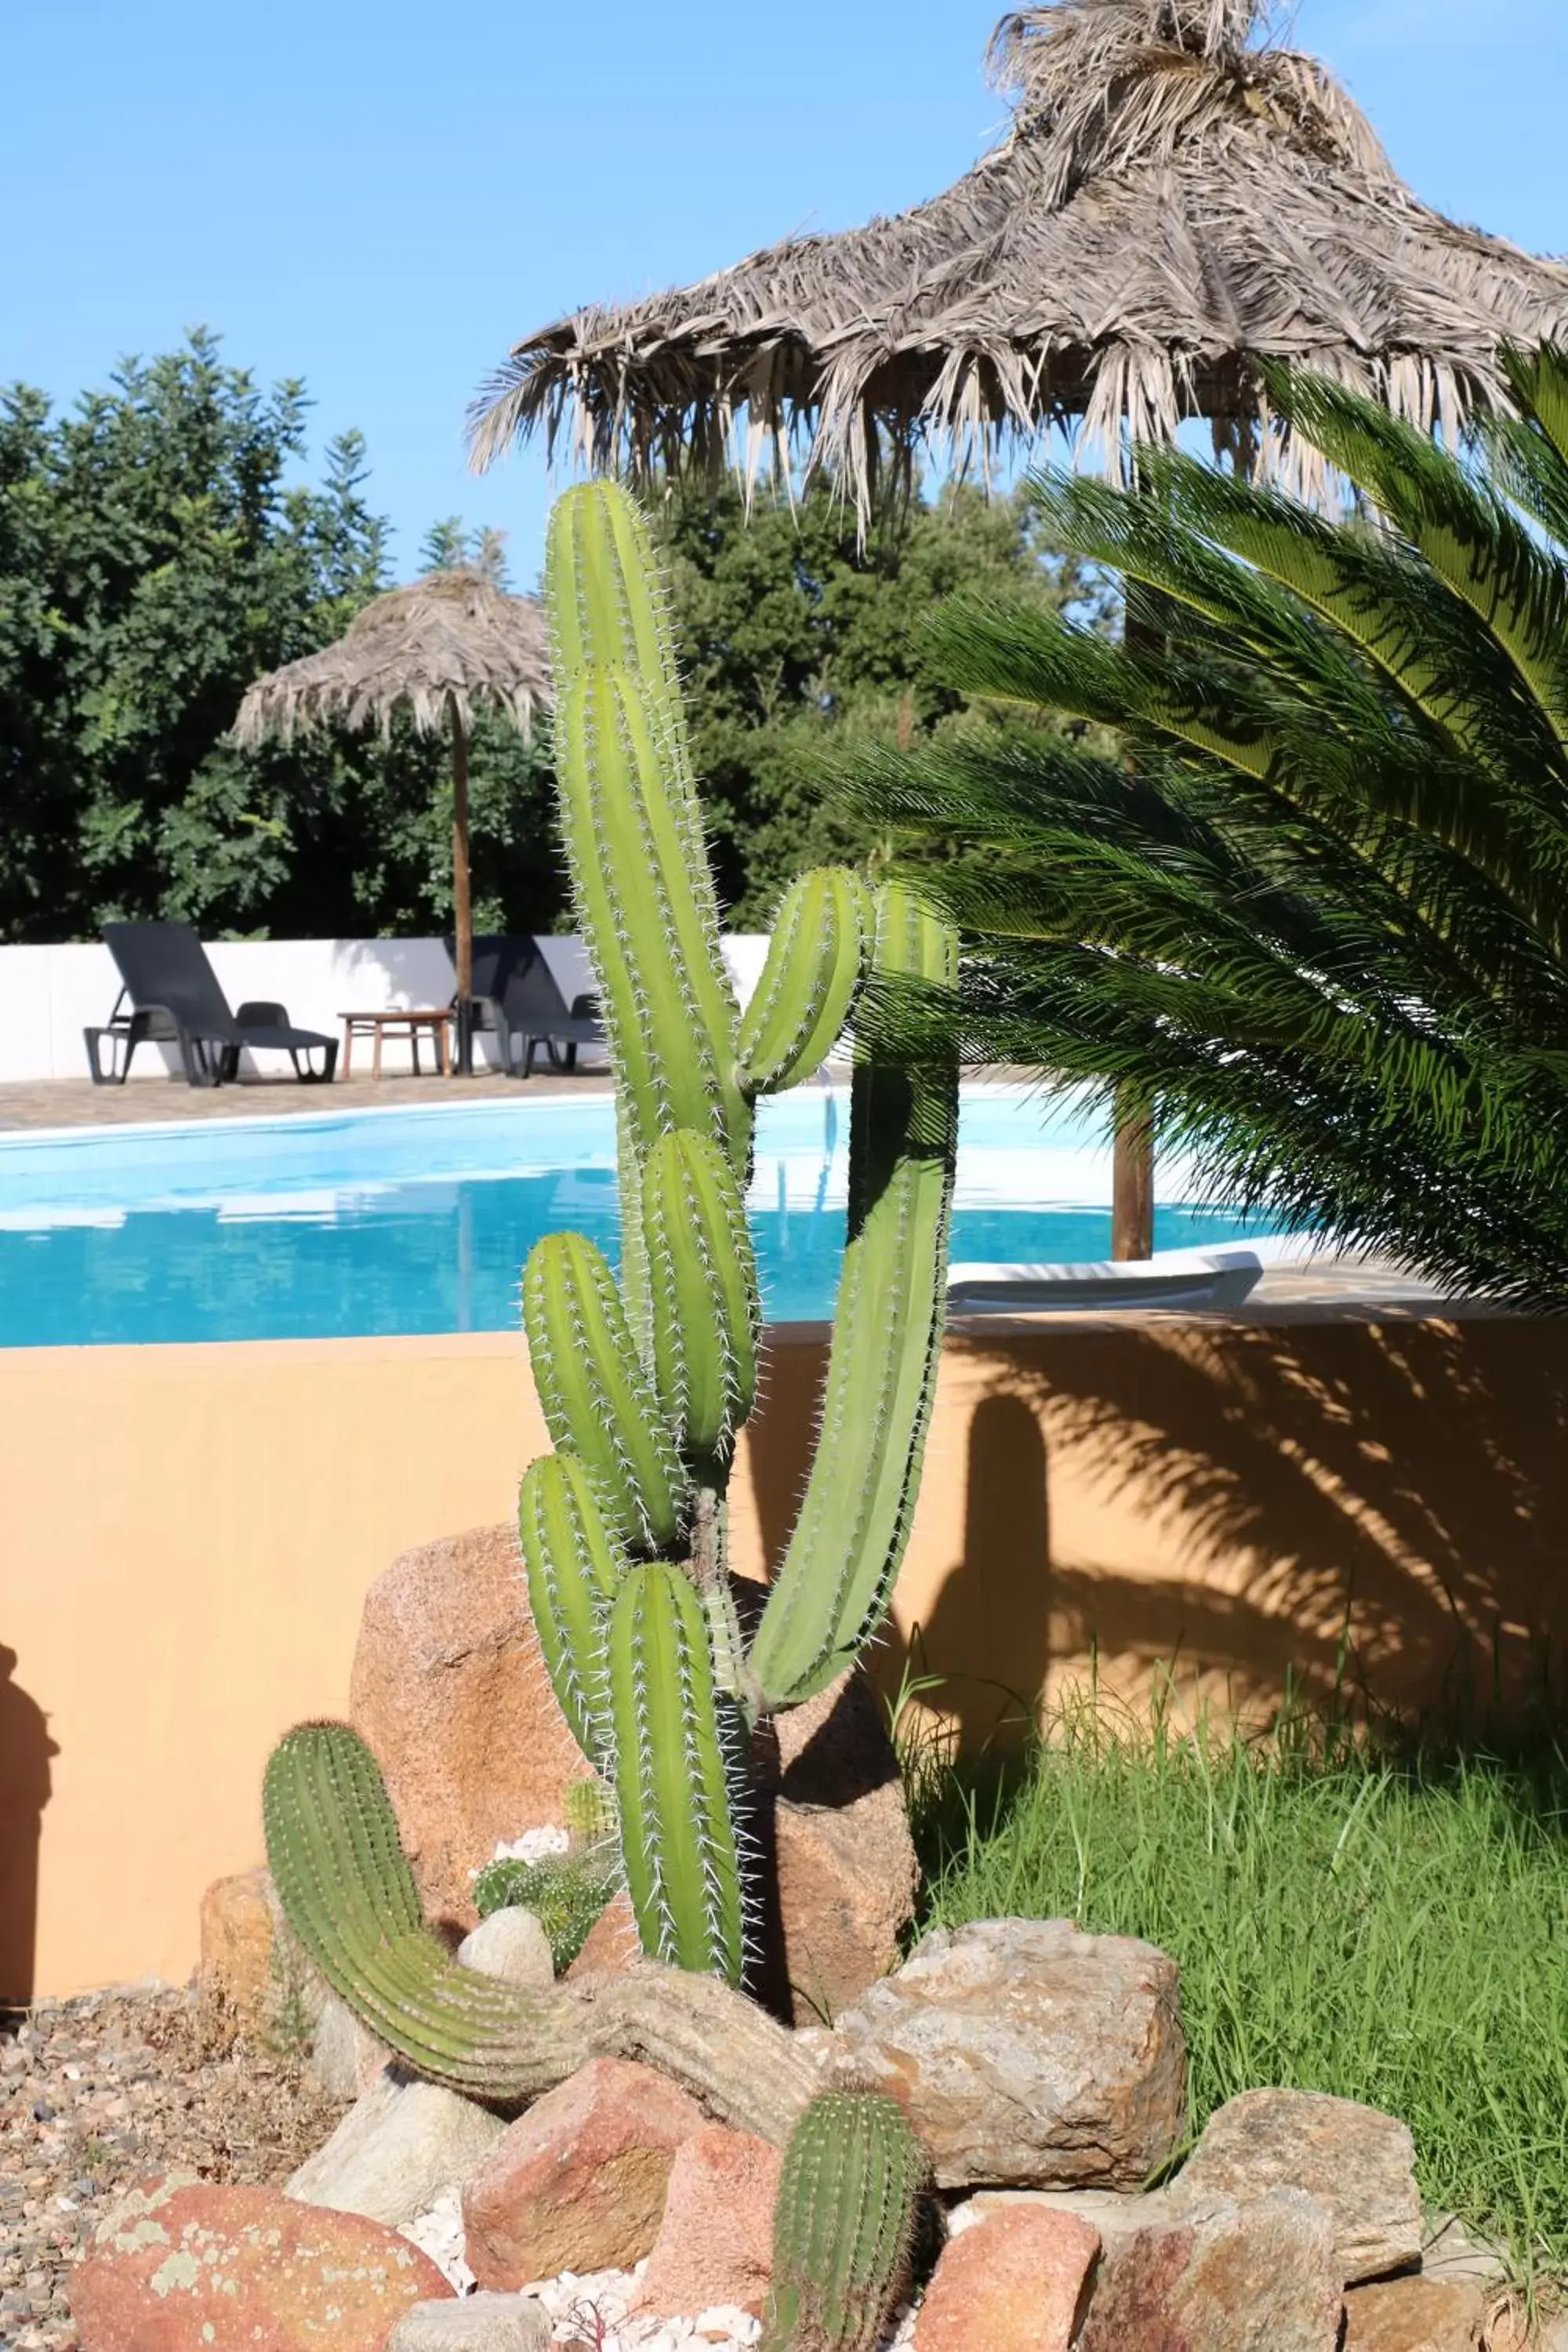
(1174,199)
(447,645)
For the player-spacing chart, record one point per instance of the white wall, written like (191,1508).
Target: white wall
(48,995)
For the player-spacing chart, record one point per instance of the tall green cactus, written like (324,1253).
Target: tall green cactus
(844,2224)
(646,1381)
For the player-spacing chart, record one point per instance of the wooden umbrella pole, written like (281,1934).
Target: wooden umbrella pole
(462,903)
(1131,1186)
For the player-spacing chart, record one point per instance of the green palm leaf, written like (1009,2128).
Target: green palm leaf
(1315,918)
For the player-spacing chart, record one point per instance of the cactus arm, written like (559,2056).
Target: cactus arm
(678,1835)
(597,1401)
(574,1569)
(822,936)
(849,1537)
(844,2224)
(349,1896)
(703,1294)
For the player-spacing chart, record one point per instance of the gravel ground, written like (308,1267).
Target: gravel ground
(98,2093)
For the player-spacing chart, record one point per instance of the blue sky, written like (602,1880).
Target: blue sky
(381,198)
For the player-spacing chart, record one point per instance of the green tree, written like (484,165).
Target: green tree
(796,638)
(1319,931)
(153,559)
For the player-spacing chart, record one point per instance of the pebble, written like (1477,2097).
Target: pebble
(591,2309)
(98,2093)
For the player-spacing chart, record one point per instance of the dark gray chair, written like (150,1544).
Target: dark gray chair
(170,995)
(516,995)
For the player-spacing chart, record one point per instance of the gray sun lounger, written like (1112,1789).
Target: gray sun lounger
(516,995)
(170,995)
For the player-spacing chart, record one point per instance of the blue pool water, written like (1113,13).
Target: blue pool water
(353,1223)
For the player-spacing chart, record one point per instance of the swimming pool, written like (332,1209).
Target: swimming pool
(351,1223)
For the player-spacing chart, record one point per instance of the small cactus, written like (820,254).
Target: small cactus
(844,2224)
(591,1817)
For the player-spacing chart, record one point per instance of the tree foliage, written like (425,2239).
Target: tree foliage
(1319,928)
(155,557)
(158,551)
(798,639)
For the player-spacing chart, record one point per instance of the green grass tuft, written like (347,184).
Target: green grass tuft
(1385,1921)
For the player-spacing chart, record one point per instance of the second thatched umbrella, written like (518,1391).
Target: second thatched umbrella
(1175,199)
(442,648)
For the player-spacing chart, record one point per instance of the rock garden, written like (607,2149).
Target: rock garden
(579,2001)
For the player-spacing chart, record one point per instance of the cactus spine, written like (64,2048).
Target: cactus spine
(575,1570)
(702,1281)
(842,2225)
(677,1833)
(849,1539)
(646,1382)
(822,936)
(596,1396)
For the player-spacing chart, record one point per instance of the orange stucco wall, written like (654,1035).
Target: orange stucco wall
(188,1533)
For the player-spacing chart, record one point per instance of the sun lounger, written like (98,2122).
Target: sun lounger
(516,995)
(170,995)
(1187,1277)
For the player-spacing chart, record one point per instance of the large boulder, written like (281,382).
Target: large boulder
(715,2242)
(183,2265)
(832,1809)
(400,2146)
(1358,2162)
(1027,2054)
(449,1690)
(579,2182)
(1263,2278)
(1020,2277)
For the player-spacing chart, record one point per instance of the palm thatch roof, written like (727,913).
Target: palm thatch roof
(1175,198)
(439,648)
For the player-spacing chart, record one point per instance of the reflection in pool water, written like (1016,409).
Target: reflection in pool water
(380,1223)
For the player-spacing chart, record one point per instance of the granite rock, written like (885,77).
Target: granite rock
(1027,2054)
(1020,2277)
(579,2182)
(715,2242)
(450,1692)
(190,2265)
(1356,2161)
(1263,2277)
(402,2142)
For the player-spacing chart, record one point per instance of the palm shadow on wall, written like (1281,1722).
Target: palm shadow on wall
(1387,1501)
(1390,1498)
(26,1749)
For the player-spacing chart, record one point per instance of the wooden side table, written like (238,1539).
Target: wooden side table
(406,1021)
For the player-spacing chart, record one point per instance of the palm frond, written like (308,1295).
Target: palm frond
(1315,921)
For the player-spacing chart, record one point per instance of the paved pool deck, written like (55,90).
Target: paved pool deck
(141,1102)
